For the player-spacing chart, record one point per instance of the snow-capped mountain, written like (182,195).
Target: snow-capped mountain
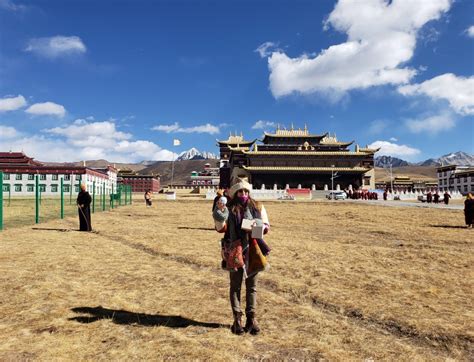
(386,161)
(455,158)
(195,154)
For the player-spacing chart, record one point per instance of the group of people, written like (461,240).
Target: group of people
(434,198)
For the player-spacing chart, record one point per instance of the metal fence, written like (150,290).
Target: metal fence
(24,210)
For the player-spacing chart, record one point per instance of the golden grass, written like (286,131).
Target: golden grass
(348,281)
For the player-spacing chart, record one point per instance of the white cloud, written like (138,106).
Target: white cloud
(175,128)
(431,125)
(470,31)
(11,6)
(458,91)
(167,128)
(12,103)
(83,141)
(56,46)
(46,109)
(393,139)
(80,130)
(8,132)
(392,149)
(263,125)
(266,49)
(378,126)
(381,38)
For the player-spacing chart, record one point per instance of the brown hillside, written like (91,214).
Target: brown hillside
(182,169)
(100,163)
(418,173)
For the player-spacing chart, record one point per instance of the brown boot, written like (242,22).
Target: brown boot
(251,325)
(237,326)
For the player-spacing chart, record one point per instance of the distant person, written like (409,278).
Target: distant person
(148,198)
(83,205)
(429,197)
(436,197)
(385,195)
(446,197)
(469,210)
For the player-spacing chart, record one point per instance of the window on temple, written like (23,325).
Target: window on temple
(54,177)
(18,188)
(19,176)
(42,177)
(54,188)
(30,188)
(42,188)
(67,177)
(6,176)
(31,176)
(6,188)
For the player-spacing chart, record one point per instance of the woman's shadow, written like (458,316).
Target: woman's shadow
(125,317)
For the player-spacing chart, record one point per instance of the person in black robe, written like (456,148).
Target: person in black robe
(469,210)
(83,205)
(446,198)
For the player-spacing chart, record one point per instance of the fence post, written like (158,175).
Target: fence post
(70,189)
(1,200)
(93,197)
(62,198)
(37,195)
(103,196)
(130,187)
(112,197)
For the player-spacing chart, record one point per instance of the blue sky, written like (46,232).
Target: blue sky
(121,79)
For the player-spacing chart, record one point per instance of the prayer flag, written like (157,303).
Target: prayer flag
(176,142)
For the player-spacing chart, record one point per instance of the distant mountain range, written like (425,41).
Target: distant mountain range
(456,158)
(195,154)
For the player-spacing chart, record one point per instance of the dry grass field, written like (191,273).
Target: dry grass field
(347,281)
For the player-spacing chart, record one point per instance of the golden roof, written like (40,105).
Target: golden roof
(236,140)
(299,168)
(292,132)
(308,153)
(332,140)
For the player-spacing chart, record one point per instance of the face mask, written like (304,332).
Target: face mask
(243,199)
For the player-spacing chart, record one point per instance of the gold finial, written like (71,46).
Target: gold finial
(292,128)
(305,127)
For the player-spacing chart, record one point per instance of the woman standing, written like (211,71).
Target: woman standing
(242,206)
(469,210)
(148,198)
(83,205)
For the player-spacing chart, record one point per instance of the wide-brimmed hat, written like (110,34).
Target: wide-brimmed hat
(240,185)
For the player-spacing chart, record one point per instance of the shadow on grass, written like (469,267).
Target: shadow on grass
(191,228)
(125,317)
(63,230)
(449,226)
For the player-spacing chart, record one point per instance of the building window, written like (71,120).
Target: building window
(30,188)
(42,188)
(43,177)
(17,188)
(76,188)
(6,188)
(31,176)
(54,188)
(19,176)
(465,188)
(66,188)
(54,177)
(67,177)
(6,176)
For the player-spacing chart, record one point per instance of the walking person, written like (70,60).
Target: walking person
(83,205)
(469,210)
(148,198)
(242,208)
(446,197)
